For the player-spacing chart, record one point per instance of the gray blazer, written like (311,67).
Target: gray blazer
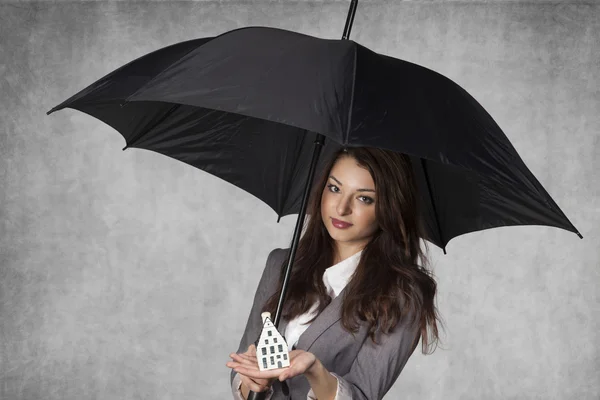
(365,371)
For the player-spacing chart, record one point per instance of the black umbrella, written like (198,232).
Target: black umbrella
(255,107)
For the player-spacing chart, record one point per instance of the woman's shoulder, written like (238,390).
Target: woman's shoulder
(277,256)
(279,252)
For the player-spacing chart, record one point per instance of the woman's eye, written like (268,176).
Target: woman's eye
(365,199)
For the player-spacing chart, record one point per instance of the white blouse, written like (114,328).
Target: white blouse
(335,279)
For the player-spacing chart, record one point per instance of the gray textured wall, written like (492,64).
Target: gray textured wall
(116,267)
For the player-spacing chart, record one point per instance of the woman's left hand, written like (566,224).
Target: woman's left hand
(300,362)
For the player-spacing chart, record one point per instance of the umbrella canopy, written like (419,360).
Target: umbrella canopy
(247,105)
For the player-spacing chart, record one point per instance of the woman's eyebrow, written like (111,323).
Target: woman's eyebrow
(359,190)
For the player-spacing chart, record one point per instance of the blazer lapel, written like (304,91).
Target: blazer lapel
(329,316)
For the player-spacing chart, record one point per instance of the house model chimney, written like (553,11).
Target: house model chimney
(265,315)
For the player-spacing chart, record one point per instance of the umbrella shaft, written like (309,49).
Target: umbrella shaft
(319,142)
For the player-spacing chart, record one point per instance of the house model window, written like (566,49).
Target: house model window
(271,349)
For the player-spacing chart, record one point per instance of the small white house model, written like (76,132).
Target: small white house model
(271,349)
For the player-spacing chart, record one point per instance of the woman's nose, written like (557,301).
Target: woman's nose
(343,207)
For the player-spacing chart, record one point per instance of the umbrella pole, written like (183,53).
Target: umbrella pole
(350,19)
(319,142)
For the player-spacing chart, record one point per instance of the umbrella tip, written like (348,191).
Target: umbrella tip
(444,251)
(126,147)
(579,234)
(278,218)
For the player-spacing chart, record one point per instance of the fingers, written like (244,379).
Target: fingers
(259,386)
(247,356)
(245,360)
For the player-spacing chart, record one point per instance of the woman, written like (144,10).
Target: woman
(362,239)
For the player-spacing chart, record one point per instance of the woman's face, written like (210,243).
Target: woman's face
(349,196)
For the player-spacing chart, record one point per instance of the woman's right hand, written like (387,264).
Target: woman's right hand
(250,361)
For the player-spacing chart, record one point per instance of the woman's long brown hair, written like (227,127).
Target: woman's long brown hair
(392,279)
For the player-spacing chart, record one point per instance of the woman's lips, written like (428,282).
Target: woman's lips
(340,224)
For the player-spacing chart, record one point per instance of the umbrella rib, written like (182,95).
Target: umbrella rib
(351,98)
(288,189)
(146,129)
(166,68)
(437,221)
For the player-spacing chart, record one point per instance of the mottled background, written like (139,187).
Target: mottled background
(129,275)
